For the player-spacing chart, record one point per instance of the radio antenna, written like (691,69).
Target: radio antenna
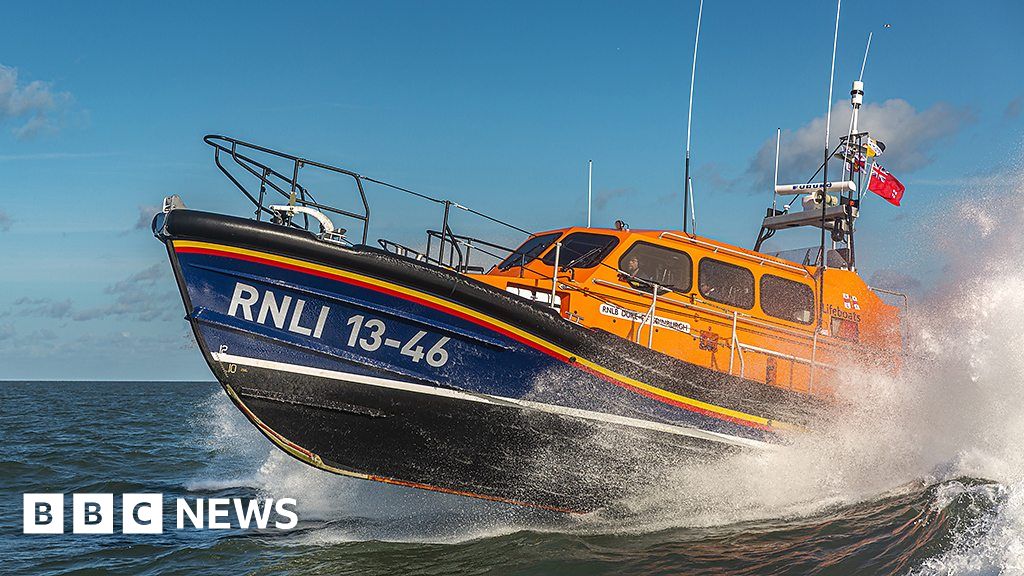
(857,97)
(865,62)
(590,187)
(689,118)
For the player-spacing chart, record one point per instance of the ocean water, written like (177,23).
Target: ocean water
(921,474)
(187,440)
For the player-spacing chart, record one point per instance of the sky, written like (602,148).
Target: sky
(498,106)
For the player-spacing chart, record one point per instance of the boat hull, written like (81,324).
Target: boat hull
(364,363)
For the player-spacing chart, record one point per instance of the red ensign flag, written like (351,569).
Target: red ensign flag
(883,183)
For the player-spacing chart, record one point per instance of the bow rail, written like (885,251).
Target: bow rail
(253,162)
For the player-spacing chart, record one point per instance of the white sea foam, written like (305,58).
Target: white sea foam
(994,545)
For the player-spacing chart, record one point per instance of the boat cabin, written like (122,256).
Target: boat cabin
(706,302)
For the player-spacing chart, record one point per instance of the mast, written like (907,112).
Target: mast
(778,144)
(689,118)
(856,99)
(854,153)
(824,184)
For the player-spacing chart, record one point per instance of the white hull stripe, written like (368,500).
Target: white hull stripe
(486,399)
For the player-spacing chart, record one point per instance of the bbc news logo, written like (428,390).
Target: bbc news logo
(144,513)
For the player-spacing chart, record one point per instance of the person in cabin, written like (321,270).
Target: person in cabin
(635,274)
(632,266)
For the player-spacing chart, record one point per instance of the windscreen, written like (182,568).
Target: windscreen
(582,250)
(530,249)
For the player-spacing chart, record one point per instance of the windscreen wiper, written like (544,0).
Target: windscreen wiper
(585,255)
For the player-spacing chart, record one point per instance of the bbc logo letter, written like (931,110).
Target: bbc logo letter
(43,513)
(142,513)
(92,513)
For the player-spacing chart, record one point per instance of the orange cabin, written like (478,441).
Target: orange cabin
(706,302)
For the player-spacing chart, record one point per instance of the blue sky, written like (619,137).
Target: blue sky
(497,106)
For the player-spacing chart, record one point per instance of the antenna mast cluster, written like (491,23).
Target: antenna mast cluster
(836,214)
(687,190)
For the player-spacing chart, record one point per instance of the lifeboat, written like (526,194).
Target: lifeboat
(555,374)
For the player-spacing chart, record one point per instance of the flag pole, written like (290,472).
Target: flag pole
(689,118)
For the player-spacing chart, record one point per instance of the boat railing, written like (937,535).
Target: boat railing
(263,175)
(456,258)
(272,181)
(737,348)
(901,295)
(402,250)
(733,252)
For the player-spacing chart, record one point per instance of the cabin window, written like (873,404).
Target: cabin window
(582,250)
(726,283)
(845,329)
(787,299)
(530,249)
(645,264)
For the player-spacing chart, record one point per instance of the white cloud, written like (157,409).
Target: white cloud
(142,296)
(893,279)
(909,135)
(145,217)
(1013,109)
(34,107)
(603,197)
(145,296)
(5,221)
(45,307)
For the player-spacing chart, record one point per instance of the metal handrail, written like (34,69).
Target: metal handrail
(296,193)
(736,346)
(784,356)
(554,272)
(738,253)
(401,250)
(289,187)
(649,319)
(476,241)
(718,312)
(906,299)
(469,242)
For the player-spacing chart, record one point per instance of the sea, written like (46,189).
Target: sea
(822,515)
(918,472)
